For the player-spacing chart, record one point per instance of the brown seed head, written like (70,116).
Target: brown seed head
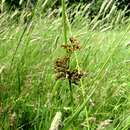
(61,67)
(72,46)
(74,76)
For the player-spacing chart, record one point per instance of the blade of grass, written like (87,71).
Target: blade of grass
(64,21)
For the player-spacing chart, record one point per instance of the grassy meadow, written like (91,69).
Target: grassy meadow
(30,95)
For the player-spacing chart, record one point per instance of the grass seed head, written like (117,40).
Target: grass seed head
(72,46)
(61,67)
(74,76)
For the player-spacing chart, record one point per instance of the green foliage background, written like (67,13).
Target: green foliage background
(94,8)
(29,94)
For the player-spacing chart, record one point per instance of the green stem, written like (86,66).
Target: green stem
(64,21)
(71,92)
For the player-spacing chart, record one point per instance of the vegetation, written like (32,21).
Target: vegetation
(93,9)
(65,73)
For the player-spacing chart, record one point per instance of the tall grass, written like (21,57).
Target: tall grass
(29,94)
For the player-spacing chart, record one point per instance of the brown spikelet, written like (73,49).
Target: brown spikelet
(75,43)
(72,46)
(74,40)
(62,71)
(61,67)
(67,47)
(74,76)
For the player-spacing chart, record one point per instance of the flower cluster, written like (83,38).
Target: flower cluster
(61,66)
(72,46)
(74,76)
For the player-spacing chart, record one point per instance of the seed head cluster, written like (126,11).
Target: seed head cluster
(61,66)
(72,46)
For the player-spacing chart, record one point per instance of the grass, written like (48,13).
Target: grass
(29,94)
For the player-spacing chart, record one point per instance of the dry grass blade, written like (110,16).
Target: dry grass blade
(104,124)
(1,69)
(56,121)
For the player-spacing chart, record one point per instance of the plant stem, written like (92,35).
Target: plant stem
(64,21)
(71,92)
(65,40)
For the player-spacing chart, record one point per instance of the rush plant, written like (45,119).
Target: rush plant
(62,65)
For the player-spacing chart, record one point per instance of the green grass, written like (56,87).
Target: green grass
(28,88)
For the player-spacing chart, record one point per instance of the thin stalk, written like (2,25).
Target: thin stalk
(65,41)
(71,92)
(82,86)
(83,92)
(64,21)
(18,80)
